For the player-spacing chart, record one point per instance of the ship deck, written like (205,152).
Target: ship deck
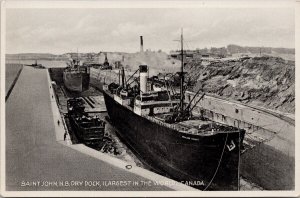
(188,126)
(192,126)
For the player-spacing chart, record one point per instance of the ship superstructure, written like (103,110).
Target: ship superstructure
(160,127)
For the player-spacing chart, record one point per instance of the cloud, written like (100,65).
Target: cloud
(62,30)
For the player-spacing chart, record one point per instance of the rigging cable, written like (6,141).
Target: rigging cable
(238,187)
(168,92)
(220,160)
(132,76)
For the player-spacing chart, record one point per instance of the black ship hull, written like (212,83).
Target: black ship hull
(204,162)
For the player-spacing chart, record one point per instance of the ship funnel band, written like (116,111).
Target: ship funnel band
(143,78)
(143,68)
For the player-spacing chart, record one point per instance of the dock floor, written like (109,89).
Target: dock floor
(36,161)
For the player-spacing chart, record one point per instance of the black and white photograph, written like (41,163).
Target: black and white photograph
(154,98)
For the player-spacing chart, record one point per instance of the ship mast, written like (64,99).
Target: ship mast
(77,61)
(181,75)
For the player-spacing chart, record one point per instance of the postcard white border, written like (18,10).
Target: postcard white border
(148,4)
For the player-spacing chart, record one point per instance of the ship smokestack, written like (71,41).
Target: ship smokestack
(142,44)
(143,78)
(106,60)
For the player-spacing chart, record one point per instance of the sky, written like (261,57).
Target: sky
(57,31)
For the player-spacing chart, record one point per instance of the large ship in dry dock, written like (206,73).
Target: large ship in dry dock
(160,128)
(76,77)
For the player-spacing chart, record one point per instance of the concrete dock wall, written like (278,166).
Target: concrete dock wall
(250,118)
(12,74)
(270,162)
(107,76)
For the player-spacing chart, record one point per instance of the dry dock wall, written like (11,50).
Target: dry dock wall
(104,76)
(249,118)
(12,74)
(270,162)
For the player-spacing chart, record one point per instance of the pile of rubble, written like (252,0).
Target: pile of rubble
(263,81)
(110,147)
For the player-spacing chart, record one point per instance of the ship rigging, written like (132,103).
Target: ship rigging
(160,127)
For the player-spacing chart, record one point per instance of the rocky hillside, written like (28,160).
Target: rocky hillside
(261,81)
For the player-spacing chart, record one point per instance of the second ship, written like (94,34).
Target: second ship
(76,77)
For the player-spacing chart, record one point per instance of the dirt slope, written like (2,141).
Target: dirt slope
(261,81)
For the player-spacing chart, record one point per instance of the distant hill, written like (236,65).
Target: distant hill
(230,50)
(233,49)
(236,50)
(36,56)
